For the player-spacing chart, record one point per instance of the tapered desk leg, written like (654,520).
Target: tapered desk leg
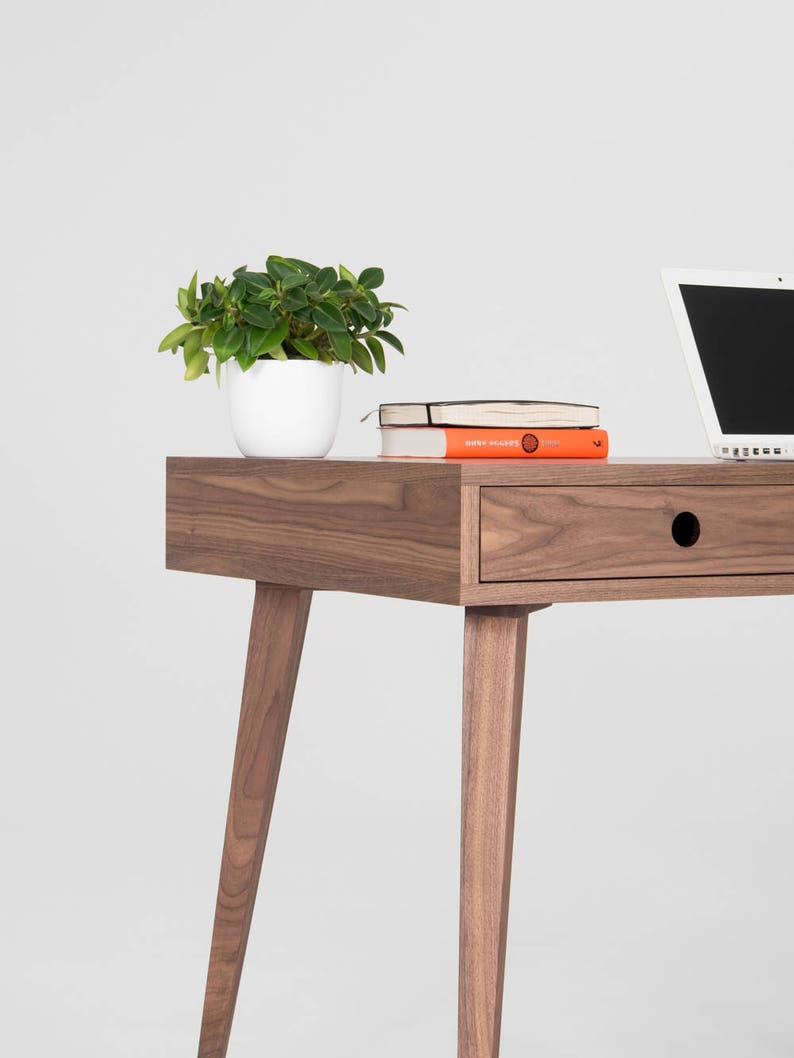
(278,625)
(494,653)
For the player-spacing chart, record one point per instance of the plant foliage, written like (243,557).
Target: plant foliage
(291,311)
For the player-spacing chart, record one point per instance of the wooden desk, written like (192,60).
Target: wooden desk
(502,538)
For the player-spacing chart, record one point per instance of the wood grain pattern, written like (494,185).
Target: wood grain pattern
(374,527)
(623,472)
(622,590)
(278,626)
(411,528)
(493,681)
(469,534)
(574,533)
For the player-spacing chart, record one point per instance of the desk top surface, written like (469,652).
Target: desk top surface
(612,471)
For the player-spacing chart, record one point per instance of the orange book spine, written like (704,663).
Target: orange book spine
(563,443)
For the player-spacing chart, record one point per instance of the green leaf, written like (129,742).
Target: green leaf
(239,271)
(296,279)
(378,355)
(359,323)
(192,344)
(208,311)
(279,267)
(329,317)
(218,372)
(228,321)
(325,357)
(392,339)
(371,278)
(220,289)
(305,348)
(227,343)
(256,280)
(237,290)
(258,315)
(347,275)
(191,291)
(197,365)
(325,279)
(363,308)
(256,340)
(304,266)
(393,305)
(175,337)
(344,286)
(265,296)
(208,333)
(271,339)
(295,299)
(341,345)
(277,353)
(244,361)
(181,300)
(361,357)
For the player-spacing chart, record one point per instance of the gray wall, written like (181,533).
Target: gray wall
(521,172)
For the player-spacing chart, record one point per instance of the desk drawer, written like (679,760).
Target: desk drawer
(586,532)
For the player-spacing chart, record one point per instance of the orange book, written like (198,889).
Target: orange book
(461,442)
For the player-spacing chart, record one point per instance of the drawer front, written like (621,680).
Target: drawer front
(595,532)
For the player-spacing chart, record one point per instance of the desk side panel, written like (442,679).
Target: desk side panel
(380,529)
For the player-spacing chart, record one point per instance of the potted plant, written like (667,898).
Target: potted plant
(285,335)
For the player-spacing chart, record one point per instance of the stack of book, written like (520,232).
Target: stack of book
(492,429)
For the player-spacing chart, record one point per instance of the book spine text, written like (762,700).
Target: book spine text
(526,444)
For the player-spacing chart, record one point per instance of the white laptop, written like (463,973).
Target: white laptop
(737,330)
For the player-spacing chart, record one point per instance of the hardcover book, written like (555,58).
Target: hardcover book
(490,413)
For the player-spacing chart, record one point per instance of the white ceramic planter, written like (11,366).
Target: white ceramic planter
(284,407)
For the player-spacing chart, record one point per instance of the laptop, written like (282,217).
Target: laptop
(737,332)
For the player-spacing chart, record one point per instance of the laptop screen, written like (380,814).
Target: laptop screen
(745,338)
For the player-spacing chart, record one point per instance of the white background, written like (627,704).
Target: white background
(521,171)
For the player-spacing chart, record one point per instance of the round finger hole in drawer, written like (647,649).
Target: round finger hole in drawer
(685,529)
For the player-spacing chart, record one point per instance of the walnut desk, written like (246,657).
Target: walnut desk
(500,537)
